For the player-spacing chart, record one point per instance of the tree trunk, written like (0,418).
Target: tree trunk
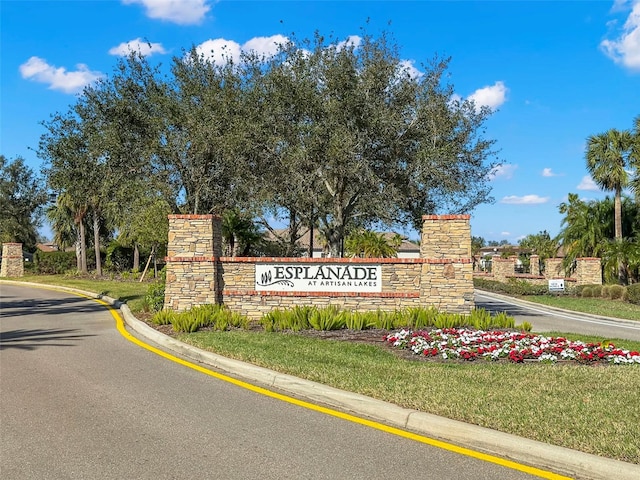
(83,248)
(136,257)
(617,210)
(96,243)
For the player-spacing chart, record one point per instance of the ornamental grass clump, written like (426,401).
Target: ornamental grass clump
(516,347)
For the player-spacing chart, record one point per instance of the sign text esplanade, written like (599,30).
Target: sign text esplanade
(291,277)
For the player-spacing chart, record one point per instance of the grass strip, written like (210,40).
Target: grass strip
(131,292)
(594,306)
(593,409)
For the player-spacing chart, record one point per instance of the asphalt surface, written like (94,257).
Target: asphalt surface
(545,319)
(78,400)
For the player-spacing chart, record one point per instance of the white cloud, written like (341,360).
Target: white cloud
(267,46)
(491,96)
(352,41)
(503,171)
(58,78)
(524,200)
(587,183)
(137,45)
(505,234)
(547,172)
(182,12)
(625,49)
(220,50)
(408,66)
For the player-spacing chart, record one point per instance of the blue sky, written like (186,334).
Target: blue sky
(553,72)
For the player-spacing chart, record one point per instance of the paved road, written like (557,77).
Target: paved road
(78,401)
(546,320)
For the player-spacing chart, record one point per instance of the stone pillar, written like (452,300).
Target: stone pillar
(553,268)
(193,262)
(588,271)
(502,268)
(12,260)
(447,272)
(534,265)
(446,236)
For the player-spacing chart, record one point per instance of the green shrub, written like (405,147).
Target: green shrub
(418,317)
(154,299)
(633,294)
(356,321)
(328,318)
(525,326)
(118,258)
(55,263)
(503,320)
(514,286)
(605,291)
(480,319)
(616,292)
(276,320)
(587,292)
(449,320)
(597,290)
(164,317)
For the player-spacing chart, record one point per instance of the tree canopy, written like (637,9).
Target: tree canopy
(22,198)
(329,134)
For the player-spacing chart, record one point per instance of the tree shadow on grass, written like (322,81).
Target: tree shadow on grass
(32,339)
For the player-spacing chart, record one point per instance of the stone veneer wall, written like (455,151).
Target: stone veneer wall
(553,268)
(502,268)
(193,253)
(588,271)
(12,260)
(197,274)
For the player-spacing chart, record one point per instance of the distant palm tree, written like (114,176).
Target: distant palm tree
(367,244)
(584,228)
(67,217)
(608,161)
(635,158)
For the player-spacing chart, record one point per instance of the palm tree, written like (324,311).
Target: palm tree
(67,217)
(367,244)
(635,158)
(584,228)
(608,160)
(608,163)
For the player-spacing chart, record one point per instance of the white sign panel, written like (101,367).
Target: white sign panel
(556,285)
(323,277)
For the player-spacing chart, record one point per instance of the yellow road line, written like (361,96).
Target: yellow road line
(328,411)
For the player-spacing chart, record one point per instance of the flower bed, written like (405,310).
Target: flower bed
(467,344)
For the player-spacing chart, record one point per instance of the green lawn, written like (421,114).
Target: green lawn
(595,306)
(131,292)
(595,409)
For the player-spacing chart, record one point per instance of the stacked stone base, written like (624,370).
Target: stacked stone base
(12,260)
(197,274)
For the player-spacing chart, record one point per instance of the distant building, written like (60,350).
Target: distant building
(407,249)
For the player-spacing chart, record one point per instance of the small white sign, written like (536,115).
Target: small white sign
(322,277)
(556,285)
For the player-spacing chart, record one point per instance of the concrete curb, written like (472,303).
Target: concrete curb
(529,452)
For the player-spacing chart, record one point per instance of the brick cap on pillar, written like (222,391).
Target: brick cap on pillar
(11,243)
(193,216)
(446,217)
